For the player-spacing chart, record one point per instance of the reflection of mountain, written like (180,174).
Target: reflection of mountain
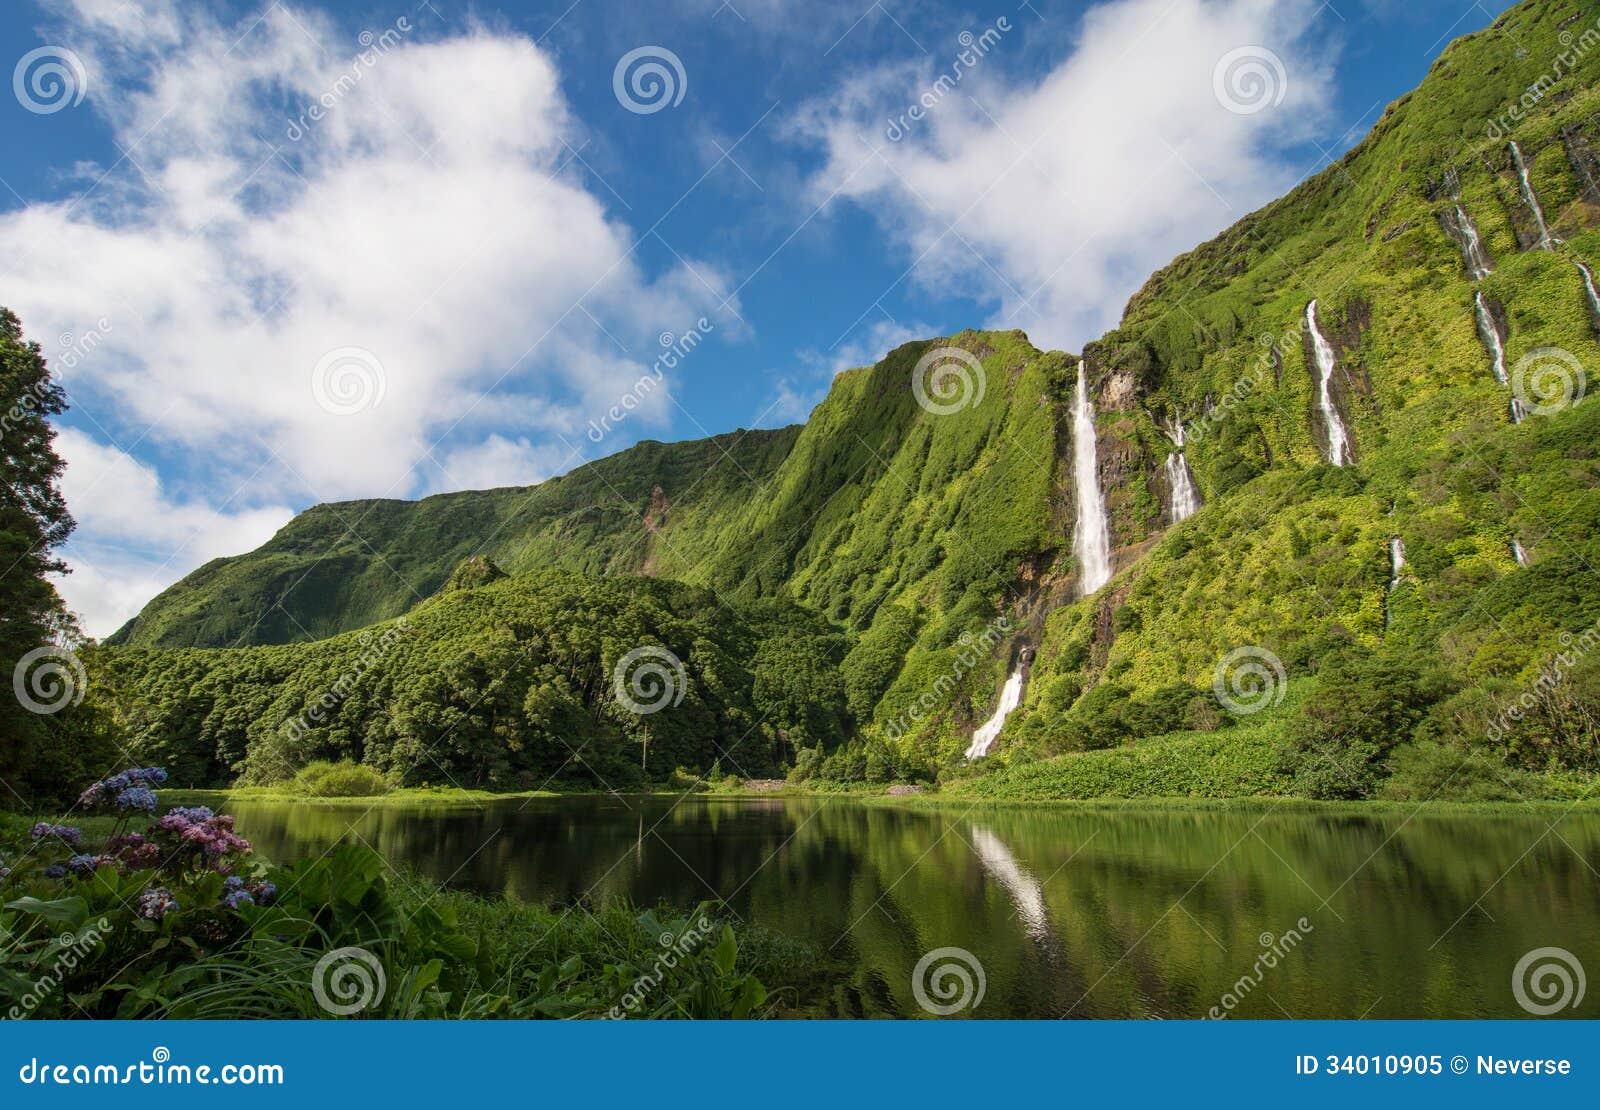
(1026,892)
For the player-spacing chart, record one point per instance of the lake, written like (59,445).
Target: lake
(1057,912)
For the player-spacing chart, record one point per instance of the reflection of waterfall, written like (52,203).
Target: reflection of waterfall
(1546,240)
(1397,560)
(1519,553)
(1185,501)
(1026,892)
(1338,438)
(1459,226)
(1092,537)
(984,736)
(1590,296)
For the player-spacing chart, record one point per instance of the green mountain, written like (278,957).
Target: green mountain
(1313,628)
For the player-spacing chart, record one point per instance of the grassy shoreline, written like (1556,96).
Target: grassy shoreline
(453,796)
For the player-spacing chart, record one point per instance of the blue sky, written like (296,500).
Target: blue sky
(283,253)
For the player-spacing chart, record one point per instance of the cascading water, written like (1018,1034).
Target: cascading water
(1519,553)
(1397,560)
(984,736)
(1091,540)
(1185,501)
(1489,330)
(1590,295)
(1546,240)
(1338,438)
(1459,226)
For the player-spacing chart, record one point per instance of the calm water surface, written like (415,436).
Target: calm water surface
(1108,914)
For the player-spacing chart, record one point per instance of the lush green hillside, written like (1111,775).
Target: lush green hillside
(651,509)
(519,683)
(937,545)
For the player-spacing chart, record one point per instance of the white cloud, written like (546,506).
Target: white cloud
(796,394)
(427,217)
(499,461)
(1055,200)
(135,539)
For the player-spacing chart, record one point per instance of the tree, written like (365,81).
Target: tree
(49,739)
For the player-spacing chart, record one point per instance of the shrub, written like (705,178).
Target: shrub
(344,779)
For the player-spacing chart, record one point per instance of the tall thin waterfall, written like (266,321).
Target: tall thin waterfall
(1590,295)
(1519,553)
(1546,240)
(984,736)
(1489,329)
(1459,226)
(1397,560)
(1185,501)
(1338,438)
(1092,538)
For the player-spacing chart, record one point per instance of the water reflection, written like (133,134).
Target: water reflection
(1072,913)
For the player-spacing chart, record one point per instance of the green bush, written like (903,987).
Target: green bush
(323,779)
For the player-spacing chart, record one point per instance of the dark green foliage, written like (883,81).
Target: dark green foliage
(323,779)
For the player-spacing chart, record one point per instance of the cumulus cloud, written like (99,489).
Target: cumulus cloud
(1053,199)
(328,263)
(134,537)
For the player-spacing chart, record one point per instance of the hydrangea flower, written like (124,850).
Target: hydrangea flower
(142,779)
(232,883)
(85,864)
(238,898)
(67,834)
(135,851)
(264,891)
(137,797)
(155,903)
(55,871)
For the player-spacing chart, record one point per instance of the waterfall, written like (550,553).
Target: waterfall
(1489,329)
(1546,240)
(1519,553)
(1591,295)
(1091,539)
(1338,438)
(1459,226)
(984,736)
(1397,560)
(1185,501)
